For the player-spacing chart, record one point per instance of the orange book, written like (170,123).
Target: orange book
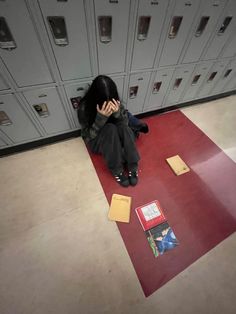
(120,208)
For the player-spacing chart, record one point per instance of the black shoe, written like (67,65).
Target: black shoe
(122,179)
(133,177)
(144,128)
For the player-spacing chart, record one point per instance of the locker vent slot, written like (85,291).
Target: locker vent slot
(105,29)
(212,76)
(227,73)
(156,87)
(175,25)
(42,110)
(58,28)
(202,25)
(6,39)
(177,83)
(133,91)
(195,79)
(4,119)
(224,25)
(143,27)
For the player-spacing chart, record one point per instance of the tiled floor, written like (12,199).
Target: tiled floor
(59,254)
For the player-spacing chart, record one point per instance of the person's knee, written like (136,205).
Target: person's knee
(111,130)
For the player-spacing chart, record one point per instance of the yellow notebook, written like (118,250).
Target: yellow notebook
(177,165)
(120,208)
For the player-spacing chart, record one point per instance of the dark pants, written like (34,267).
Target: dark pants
(116,142)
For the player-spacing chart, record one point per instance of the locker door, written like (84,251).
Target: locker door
(224,29)
(48,109)
(225,78)
(159,88)
(178,83)
(119,84)
(112,17)
(151,15)
(14,122)
(138,86)
(74,94)
(20,49)
(66,25)
(231,84)
(179,27)
(196,80)
(230,49)
(205,25)
(211,79)
(2,142)
(3,85)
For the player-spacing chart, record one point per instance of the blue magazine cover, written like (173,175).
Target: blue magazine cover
(161,239)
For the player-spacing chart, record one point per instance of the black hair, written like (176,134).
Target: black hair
(103,88)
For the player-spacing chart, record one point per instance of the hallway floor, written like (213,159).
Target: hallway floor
(59,253)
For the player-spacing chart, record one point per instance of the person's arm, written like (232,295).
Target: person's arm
(119,111)
(90,132)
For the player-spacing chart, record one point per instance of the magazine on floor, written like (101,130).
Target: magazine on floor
(160,235)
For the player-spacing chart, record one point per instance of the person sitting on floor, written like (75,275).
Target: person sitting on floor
(105,129)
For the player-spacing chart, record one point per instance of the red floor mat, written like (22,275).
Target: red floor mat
(200,205)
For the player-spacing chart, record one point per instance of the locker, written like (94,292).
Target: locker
(3,84)
(224,29)
(48,109)
(14,122)
(225,78)
(158,89)
(111,32)
(137,90)
(66,25)
(231,84)
(211,79)
(203,28)
(20,48)
(150,18)
(230,48)
(177,84)
(119,84)
(196,80)
(178,30)
(74,94)
(2,142)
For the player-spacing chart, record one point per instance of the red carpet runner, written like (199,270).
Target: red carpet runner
(200,206)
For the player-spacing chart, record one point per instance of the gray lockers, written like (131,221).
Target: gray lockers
(160,53)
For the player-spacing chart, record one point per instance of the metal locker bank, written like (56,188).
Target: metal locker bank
(161,54)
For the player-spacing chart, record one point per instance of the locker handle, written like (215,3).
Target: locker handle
(133,91)
(75,102)
(202,25)
(143,27)
(195,79)
(42,95)
(177,82)
(7,41)
(57,26)
(4,119)
(211,77)
(42,110)
(227,73)
(156,87)
(175,25)
(113,1)
(79,89)
(224,25)
(105,29)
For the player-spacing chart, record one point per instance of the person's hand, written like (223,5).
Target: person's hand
(115,105)
(106,109)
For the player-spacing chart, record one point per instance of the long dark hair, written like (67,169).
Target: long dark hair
(103,88)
